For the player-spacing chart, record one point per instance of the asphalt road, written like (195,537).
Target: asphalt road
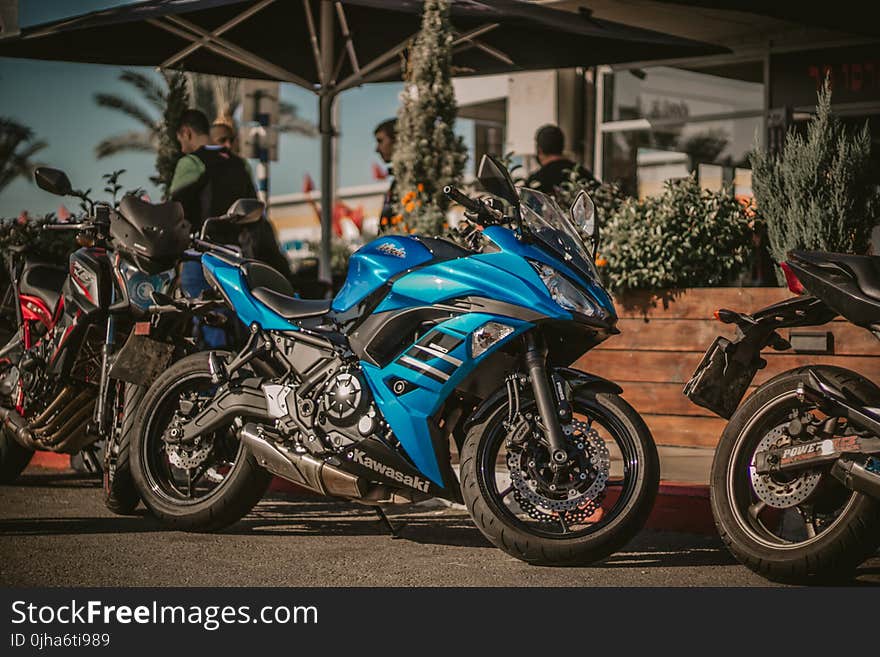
(55,531)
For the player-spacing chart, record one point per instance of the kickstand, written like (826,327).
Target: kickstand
(383,520)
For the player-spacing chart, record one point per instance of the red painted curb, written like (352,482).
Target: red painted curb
(50,461)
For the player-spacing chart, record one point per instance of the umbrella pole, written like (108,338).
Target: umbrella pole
(327,95)
(325,101)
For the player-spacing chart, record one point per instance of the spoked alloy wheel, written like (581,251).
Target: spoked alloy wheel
(180,473)
(200,485)
(576,514)
(789,526)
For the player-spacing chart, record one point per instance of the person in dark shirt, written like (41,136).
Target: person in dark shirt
(555,168)
(386,135)
(207,180)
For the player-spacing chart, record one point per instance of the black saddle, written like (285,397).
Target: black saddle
(147,216)
(276,293)
(864,271)
(44,281)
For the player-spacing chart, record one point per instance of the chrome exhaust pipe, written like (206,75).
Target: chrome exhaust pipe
(302,469)
(67,433)
(60,401)
(49,431)
(16,428)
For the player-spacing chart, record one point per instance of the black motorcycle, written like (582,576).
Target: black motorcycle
(87,343)
(795,483)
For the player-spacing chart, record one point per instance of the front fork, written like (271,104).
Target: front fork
(551,410)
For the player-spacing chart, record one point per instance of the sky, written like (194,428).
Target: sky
(55,99)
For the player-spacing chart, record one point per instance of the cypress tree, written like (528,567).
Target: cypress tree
(427,154)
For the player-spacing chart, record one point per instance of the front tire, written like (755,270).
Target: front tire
(240,481)
(607,523)
(770,540)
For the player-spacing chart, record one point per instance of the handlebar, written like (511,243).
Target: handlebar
(468,203)
(80,226)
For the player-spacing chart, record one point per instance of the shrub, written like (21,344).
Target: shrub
(820,192)
(685,237)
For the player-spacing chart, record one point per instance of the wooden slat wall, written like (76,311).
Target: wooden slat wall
(662,342)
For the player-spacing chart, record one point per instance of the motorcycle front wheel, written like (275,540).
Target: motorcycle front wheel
(797,527)
(202,487)
(574,515)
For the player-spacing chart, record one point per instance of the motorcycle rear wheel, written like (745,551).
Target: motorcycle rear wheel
(241,482)
(764,538)
(514,520)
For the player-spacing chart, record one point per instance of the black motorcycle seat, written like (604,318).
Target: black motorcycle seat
(865,269)
(44,281)
(147,215)
(259,274)
(289,307)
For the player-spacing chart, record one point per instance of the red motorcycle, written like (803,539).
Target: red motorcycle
(87,338)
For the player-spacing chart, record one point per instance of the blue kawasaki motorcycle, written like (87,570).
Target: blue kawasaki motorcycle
(429,348)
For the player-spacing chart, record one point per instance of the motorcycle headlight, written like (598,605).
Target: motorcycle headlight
(565,293)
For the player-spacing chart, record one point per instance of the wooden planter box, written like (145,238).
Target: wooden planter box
(662,341)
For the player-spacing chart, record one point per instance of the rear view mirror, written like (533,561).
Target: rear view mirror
(246,211)
(495,179)
(53,181)
(583,215)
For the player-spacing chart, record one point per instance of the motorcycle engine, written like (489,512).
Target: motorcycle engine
(328,407)
(346,410)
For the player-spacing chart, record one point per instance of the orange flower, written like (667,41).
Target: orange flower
(421,187)
(396,219)
(409,207)
(408,197)
(600,261)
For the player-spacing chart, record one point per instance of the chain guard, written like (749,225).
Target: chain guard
(580,505)
(781,494)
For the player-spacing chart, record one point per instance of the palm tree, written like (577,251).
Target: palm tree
(146,139)
(214,95)
(17,147)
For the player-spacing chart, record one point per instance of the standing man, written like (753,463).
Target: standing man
(555,168)
(386,134)
(208,179)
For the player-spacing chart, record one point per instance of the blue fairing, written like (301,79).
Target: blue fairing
(373,264)
(408,414)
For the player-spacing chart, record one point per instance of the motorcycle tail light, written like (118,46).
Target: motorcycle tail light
(791,279)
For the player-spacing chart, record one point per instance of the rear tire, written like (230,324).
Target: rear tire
(120,493)
(243,486)
(13,458)
(835,552)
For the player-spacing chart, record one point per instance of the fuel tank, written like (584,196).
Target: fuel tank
(371,266)
(90,281)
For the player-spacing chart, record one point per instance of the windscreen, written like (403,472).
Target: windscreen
(551,225)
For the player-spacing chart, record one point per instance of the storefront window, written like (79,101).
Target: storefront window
(662,123)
